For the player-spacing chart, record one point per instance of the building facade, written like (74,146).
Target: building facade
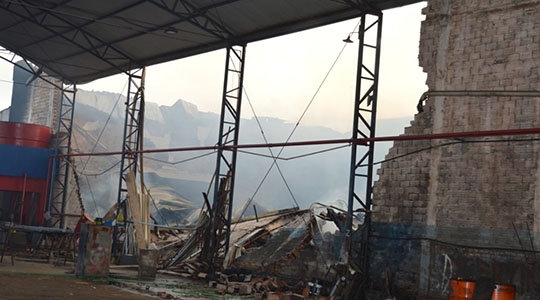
(467,207)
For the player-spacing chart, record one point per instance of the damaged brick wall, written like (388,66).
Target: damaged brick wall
(44,99)
(471,202)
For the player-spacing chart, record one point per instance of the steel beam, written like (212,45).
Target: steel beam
(36,72)
(41,16)
(362,149)
(221,210)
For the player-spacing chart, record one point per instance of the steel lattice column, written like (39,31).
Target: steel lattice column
(365,111)
(132,130)
(60,163)
(221,210)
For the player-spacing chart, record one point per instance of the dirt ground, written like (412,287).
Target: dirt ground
(40,280)
(30,286)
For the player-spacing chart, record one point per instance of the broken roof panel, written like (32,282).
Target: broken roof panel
(80,41)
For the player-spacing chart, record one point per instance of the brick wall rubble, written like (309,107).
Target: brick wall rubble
(466,207)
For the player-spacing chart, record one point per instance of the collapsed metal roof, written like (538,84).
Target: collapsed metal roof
(80,40)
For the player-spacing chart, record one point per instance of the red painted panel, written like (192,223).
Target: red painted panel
(22,134)
(16,184)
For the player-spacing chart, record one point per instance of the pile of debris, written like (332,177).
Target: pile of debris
(290,253)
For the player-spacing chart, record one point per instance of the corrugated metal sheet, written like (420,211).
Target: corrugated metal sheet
(82,40)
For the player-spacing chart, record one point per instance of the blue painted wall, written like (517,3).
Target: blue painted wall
(18,160)
(418,261)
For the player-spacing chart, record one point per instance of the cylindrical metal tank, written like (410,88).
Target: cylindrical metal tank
(27,135)
(24,164)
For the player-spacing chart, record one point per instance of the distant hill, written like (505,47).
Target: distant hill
(181,176)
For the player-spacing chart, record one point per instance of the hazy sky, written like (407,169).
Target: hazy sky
(282,75)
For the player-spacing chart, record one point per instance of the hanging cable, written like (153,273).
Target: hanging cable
(295,127)
(294,157)
(181,161)
(271,153)
(96,143)
(274,157)
(95,174)
(449,144)
(29,85)
(85,178)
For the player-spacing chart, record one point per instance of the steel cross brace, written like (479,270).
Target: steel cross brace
(187,12)
(76,34)
(221,210)
(362,155)
(68,31)
(30,67)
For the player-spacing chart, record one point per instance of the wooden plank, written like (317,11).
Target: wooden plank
(133,201)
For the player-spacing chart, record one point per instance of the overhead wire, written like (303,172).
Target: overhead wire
(297,124)
(67,159)
(180,161)
(99,173)
(272,155)
(431,147)
(456,245)
(96,143)
(275,157)
(294,157)
(30,85)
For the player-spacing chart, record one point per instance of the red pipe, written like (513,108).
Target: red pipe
(434,136)
(363,141)
(67,215)
(40,212)
(22,200)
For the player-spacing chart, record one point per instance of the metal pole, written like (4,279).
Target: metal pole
(361,166)
(221,211)
(131,137)
(59,176)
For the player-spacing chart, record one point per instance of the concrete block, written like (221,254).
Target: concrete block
(148,261)
(95,244)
